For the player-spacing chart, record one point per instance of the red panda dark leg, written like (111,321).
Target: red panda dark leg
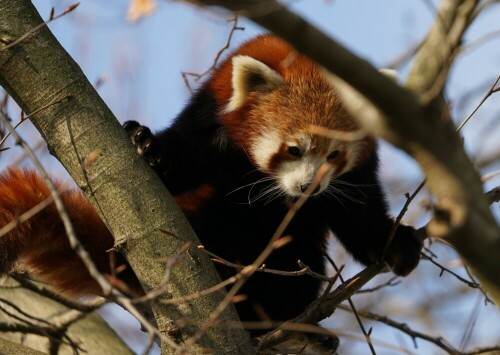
(170,155)
(363,225)
(39,245)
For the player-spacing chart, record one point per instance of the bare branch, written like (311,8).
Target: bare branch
(24,118)
(366,334)
(471,284)
(490,92)
(438,341)
(323,307)
(69,303)
(199,76)
(10,44)
(393,281)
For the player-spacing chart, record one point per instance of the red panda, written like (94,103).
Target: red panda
(234,158)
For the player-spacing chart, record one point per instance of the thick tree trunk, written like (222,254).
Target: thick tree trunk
(92,333)
(12,348)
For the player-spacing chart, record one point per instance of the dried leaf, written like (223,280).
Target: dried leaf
(140,8)
(91,158)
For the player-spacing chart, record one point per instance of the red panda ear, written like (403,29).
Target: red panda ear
(250,75)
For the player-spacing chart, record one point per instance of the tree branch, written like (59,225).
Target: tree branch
(438,341)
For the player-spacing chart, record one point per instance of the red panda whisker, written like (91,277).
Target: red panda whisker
(265,192)
(261,180)
(276,194)
(269,189)
(268,192)
(349,187)
(342,182)
(256,170)
(341,193)
(329,192)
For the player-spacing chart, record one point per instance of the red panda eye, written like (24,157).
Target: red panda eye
(332,155)
(293,150)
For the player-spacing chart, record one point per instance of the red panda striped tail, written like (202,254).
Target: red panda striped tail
(39,245)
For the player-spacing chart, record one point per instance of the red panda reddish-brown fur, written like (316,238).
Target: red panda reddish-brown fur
(234,159)
(292,67)
(40,245)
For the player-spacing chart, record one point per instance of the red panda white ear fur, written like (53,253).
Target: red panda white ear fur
(250,75)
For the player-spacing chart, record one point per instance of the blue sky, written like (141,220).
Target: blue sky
(142,65)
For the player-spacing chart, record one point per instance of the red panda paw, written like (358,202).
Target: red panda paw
(144,141)
(404,253)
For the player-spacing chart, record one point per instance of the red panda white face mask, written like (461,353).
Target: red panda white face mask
(274,110)
(295,161)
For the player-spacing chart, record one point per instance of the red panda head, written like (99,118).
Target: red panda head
(269,98)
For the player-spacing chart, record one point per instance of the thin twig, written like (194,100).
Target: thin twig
(480,41)
(24,118)
(56,330)
(305,270)
(471,323)
(397,222)
(201,293)
(199,76)
(39,146)
(148,327)
(169,264)
(490,92)
(393,281)
(487,299)
(322,308)
(25,216)
(49,332)
(480,8)
(469,283)
(366,334)
(30,317)
(409,198)
(45,292)
(36,28)
(439,341)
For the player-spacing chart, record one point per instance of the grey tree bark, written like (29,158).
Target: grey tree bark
(13,348)
(91,332)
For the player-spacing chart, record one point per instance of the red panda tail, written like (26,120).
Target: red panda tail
(39,245)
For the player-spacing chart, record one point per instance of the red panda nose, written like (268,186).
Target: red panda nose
(304,187)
